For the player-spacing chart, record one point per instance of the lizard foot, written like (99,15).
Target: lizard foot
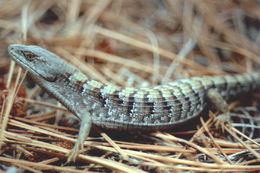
(72,155)
(221,120)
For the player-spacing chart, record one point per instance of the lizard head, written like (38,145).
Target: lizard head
(39,62)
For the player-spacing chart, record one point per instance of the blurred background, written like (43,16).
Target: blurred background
(139,43)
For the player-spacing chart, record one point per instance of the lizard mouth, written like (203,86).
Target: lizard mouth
(19,59)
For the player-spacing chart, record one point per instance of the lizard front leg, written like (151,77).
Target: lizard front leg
(85,126)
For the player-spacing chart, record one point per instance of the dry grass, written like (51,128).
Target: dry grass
(130,43)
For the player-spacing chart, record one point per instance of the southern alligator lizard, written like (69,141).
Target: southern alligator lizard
(112,107)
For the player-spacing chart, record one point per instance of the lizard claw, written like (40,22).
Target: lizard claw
(72,155)
(221,120)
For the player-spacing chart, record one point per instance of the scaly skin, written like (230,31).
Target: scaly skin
(120,108)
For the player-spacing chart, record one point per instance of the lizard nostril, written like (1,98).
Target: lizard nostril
(11,47)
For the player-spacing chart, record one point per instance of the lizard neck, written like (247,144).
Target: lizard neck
(74,90)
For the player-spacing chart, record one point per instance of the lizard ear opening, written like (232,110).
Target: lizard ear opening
(51,79)
(29,55)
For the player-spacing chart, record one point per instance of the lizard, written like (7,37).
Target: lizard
(123,108)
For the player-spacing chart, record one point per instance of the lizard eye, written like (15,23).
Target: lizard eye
(29,55)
